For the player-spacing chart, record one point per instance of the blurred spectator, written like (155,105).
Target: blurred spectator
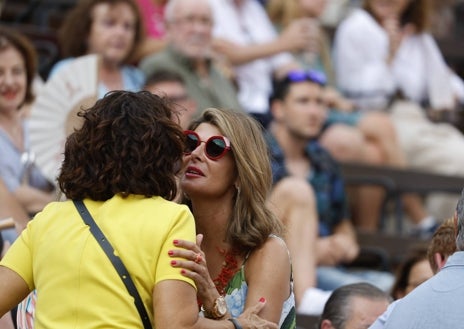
(189,26)
(23,189)
(171,85)
(437,302)
(26,186)
(111,29)
(396,47)
(309,195)
(412,272)
(345,128)
(440,248)
(245,37)
(442,245)
(383,54)
(353,306)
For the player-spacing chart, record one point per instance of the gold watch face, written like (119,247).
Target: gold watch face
(220,306)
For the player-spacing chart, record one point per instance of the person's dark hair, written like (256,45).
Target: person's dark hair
(281,85)
(338,307)
(75,30)
(443,242)
(164,75)
(417,254)
(13,39)
(128,144)
(417,12)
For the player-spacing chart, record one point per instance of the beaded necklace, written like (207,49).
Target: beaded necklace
(228,270)
(229,267)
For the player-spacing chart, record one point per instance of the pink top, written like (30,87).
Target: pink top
(153,18)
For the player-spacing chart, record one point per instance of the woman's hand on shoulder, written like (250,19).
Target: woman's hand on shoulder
(192,262)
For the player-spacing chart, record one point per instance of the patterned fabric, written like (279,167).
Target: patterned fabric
(26,311)
(324,177)
(236,293)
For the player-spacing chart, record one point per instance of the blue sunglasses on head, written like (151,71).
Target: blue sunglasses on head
(307,75)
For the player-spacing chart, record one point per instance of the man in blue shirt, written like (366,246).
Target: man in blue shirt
(436,303)
(309,194)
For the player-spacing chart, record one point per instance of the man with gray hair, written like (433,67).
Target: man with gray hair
(189,25)
(437,303)
(354,306)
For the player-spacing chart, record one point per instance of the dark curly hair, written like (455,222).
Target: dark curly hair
(128,144)
(12,39)
(75,30)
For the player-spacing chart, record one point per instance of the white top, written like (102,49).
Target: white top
(361,48)
(249,25)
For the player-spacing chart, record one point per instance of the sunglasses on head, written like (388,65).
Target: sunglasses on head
(310,75)
(215,147)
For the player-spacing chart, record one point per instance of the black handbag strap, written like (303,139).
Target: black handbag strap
(115,260)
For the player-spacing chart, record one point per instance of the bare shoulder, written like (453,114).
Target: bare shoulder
(273,248)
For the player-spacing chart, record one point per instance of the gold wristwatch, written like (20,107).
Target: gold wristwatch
(219,309)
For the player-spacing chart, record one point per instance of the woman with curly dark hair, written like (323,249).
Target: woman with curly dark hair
(121,166)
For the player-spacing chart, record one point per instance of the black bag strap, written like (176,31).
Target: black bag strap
(115,260)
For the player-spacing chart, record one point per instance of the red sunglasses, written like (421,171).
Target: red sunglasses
(215,147)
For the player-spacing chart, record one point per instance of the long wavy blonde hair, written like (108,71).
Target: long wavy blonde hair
(251,222)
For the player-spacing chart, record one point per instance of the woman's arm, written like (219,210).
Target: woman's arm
(268,273)
(297,36)
(10,207)
(13,289)
(33,200)
(175,306)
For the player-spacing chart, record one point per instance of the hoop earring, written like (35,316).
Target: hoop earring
(237,188)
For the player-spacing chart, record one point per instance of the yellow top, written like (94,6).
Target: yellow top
(77,286)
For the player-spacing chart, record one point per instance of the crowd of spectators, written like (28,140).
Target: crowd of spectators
(367,84)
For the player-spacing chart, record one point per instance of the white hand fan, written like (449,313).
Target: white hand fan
(54,113)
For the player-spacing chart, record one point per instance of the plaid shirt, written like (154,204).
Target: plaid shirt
(324,177)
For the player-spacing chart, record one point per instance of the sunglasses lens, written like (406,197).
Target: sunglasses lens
(215,147)
(191,143)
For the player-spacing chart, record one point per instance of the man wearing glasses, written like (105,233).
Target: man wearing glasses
(189,26)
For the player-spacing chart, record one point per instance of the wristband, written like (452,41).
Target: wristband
(235,322)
